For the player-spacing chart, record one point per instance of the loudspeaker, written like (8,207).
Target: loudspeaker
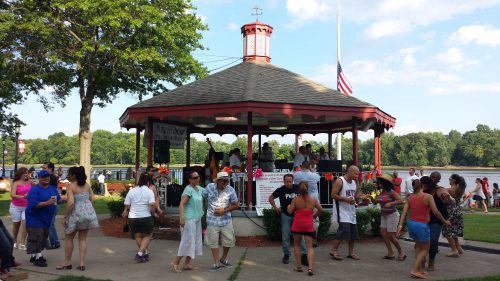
(330,166)
(161,151)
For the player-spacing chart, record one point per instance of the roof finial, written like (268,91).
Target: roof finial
(257,13)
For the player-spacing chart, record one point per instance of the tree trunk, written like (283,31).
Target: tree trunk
(85,137)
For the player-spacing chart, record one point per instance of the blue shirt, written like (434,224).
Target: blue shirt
(40,217)
(217,199)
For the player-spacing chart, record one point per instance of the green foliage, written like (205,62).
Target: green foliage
(94,184)
(374,220)
(325,221)
(363,221)
(272,223)
(116,207)
(367,188)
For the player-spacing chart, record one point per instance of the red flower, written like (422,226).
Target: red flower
(328,176)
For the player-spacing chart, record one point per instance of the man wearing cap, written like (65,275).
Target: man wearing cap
(53,240)
(42,200)
(222,200)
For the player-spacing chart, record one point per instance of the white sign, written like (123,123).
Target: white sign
(265,186)
(176,135)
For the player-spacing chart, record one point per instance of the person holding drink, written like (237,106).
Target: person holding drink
(222,200)
(42,203)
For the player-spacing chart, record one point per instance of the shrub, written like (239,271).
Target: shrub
(116,208)
(363,221)
(368,188)
(374,220)
(272,223)
(325,221)
(94,184)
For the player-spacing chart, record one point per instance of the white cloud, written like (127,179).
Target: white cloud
(479,34)
(465,88)
(233,26)
(397,16)
(454,57)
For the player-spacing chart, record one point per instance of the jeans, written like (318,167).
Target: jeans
(6,247)
(101,188)
(435,233)
(286,224)
(53,239)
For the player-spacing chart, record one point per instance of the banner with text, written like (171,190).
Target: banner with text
(176,135)
(265,186)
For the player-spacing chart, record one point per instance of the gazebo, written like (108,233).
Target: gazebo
(255,97)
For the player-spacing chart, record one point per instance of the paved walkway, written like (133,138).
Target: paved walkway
(112,258)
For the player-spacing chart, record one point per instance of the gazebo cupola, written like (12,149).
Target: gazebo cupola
(256,41)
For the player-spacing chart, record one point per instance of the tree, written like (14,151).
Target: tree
(101,48)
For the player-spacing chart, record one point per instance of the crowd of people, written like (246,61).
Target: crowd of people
(433,211)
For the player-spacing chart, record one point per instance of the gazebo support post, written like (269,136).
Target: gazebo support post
(150,141)
(137,149)
(249,161)
(260,143)
(355,141)
(188,149)
(330,144)
(377,149)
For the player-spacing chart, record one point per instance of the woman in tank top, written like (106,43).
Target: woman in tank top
(303,206)
(18,193)
(389,216)
(419,204)
(479,196)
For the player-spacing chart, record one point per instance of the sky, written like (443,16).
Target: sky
(434,65)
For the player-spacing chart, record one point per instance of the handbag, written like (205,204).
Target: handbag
(126,227)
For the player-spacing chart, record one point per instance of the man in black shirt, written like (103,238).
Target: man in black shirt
(285,194)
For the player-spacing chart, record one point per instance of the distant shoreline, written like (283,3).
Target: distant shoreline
(389,167)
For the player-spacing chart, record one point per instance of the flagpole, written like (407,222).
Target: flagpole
(339,135)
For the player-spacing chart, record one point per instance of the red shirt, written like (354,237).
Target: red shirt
(418,210)
(397,184)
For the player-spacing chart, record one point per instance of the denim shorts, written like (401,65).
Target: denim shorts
(419,231)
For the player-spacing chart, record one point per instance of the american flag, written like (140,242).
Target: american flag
(342,83)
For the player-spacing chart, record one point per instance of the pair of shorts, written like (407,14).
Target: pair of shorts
(17,213)
(37,239)
(419,231)
(347,231)
(390,222)
(223,233)
(141,225)
(477,197)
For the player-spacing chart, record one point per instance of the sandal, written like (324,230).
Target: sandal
(310,272)
(175,268)
(402,258)
(188,267)
(335,255)
(80,267)
(61,267)
(298,269)
(354,257)
(418,275)
(389,257)
(453,255)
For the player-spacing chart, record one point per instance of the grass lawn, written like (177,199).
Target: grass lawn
(100,204)
(487,278)
(480,227)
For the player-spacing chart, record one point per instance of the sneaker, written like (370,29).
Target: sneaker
(145,257)
(286,259)
(303,260)
(40,262)
(215,268)
(139,258)
(22,247)
(225,263)
(32,259)
(15,245)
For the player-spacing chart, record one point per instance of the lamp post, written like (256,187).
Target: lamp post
(18,129)
(3,156)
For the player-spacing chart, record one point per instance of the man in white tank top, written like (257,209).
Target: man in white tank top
(345,193)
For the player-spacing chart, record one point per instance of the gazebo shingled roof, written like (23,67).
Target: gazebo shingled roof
(267,91)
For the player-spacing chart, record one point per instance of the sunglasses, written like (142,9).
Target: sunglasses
(193,178)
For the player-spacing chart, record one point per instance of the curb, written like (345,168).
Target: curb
(466,247)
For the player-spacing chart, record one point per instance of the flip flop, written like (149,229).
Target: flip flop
(298,269)
(418,275)
(389,257)
(61,267)
(354,257)
(402,258)
(336,256)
